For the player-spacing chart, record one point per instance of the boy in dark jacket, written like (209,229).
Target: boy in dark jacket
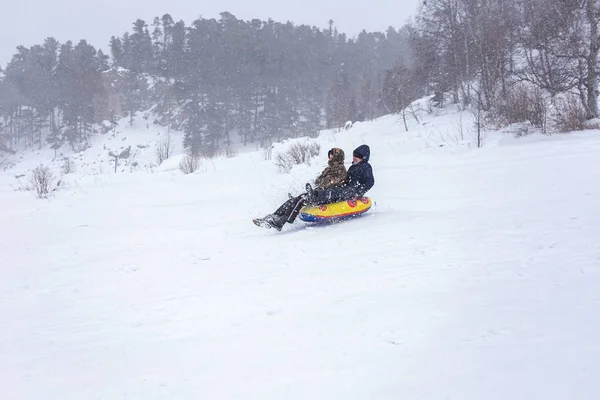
(358,181)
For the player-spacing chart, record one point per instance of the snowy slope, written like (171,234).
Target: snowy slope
(141,137)
(475,276)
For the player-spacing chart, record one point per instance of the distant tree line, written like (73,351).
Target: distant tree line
(263,81)
(50,92)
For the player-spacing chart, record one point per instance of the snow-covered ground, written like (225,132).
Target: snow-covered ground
(475,276)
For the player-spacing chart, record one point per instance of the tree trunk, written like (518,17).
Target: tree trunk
(592,61)
(40,133)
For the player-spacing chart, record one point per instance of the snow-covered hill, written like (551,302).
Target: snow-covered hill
(475,276)
(140,139)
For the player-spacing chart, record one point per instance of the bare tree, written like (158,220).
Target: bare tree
(440,24)
(400,89)
(478,112)
(473,40)
(67,166)
(488,34)
(164,149)
(570,115)
(525,102)
(592,16)
(42,180)
(267,152)
(561,42)
(189,164)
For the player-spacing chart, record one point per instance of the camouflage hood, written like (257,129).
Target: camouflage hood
(338,156)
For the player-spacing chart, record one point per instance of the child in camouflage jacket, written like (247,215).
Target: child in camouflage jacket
(334,175)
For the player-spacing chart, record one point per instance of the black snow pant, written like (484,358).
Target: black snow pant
(333,195)
(291,208)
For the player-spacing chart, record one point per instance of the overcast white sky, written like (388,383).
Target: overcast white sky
(29,22)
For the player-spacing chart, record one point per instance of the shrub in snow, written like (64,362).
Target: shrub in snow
(67,166)
(229,152)
(524,104)
(164,149)
(348,125)
(522,130)
(267,152)
(189,164)
(593,123)
(569,115)
(283,163)
(42,181)
(296,154)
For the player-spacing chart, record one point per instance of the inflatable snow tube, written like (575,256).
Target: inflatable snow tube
(336,211)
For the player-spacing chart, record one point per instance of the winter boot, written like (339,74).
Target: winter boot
(270,221)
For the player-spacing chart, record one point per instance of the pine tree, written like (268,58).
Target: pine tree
(116,51)
(194,127)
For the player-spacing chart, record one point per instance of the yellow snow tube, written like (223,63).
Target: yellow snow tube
(336,211)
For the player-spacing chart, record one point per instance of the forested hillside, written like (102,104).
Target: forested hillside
(262,81)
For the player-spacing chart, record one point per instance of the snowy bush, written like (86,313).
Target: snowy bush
(593,123)
(522,131)
(283,163)
(569,114)
(67,167)
(189,164)
(267,152)
(296,154)
(303,152)
(42,181)
(164,149)
(229,152)
(524,104)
